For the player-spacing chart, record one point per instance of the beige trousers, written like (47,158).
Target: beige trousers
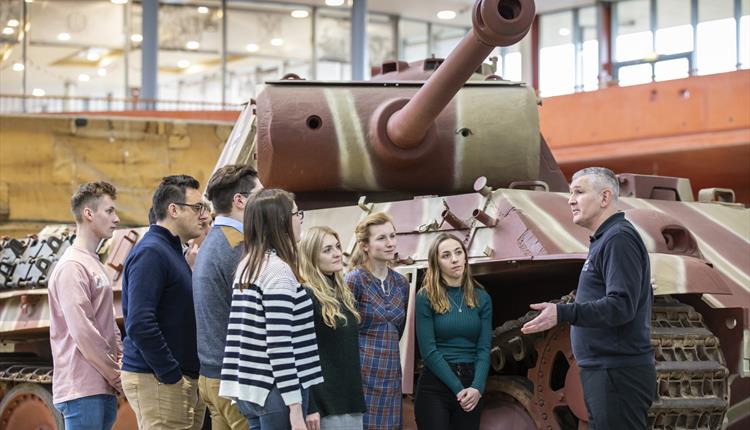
(224,414)
(159,406)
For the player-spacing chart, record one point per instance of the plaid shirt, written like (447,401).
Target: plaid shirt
(383,311)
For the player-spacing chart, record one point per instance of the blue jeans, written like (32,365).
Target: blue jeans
(89,413)
(274,415)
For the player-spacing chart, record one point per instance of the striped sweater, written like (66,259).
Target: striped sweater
(270,338)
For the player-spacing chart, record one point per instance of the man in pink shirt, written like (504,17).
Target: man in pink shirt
(85,340)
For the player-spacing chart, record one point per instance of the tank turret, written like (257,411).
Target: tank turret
(395,134)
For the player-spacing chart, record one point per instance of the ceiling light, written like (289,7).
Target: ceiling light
(202,9)
(276,41)
(334,2)
(183,64)
(93,56)
(563,31)
(102,72)
(18,67)
(29,1)
(63,37)
(251,47)
(192,45)
(8,30)
(136,38)
(119,1)
(301,13)
(446,14)
(37,92)
(105,62)
(84,77)
(13,23)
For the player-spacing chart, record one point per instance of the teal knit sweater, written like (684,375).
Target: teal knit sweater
(455,337)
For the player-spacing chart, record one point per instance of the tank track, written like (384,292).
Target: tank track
(692,376)
(19,368)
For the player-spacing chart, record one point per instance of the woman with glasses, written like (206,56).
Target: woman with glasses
(337,403)
(454,332)
(381,295)
(271,355)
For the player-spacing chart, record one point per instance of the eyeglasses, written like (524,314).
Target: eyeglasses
(301,214)
(200,208)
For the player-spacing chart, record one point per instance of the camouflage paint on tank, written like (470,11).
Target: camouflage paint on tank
(24,312)
(485,118)
(538,226)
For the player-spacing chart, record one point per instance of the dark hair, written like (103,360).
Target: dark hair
(171,190)
(228,181)
(268,226)
(433,284)
(88,195)
(151,216)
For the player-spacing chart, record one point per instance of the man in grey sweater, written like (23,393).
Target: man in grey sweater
(213,274)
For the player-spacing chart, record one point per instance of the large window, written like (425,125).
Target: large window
(744,49)
(74,49)
(380,39)
(717,36)
(444,39)
(569,52)
(634,41)
(510,65)
(413,43)
(278,44)
(674,39)
(689,37)
(588,59)
(557,54)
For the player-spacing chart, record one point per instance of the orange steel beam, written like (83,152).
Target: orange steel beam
(619,114)
(698,128)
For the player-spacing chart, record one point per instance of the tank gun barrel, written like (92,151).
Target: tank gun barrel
(495,23)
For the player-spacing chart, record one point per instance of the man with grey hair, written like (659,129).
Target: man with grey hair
(611,315)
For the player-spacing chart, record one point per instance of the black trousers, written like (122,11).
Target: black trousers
(436,407)
(619,398)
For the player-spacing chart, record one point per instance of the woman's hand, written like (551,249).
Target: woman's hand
(468,398)
(296,418)
(313,421)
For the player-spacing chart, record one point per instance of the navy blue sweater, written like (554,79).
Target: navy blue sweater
(611,316)
(157,305)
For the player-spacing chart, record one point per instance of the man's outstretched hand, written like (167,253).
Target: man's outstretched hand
(546,319)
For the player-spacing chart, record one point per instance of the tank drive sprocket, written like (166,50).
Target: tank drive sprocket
(692,377)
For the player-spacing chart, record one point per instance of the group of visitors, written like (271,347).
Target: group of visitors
(264,328)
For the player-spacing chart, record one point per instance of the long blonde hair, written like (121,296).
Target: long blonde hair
(433,284)
(331,295)
(268,227)
(359,257)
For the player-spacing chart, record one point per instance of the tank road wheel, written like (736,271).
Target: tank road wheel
(29,407)
(692,377)
(558,393)
(508,405)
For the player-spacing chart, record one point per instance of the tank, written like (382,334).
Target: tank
(447,146)
(35,190)
(25,358)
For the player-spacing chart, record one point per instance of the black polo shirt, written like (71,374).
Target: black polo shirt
(611,316)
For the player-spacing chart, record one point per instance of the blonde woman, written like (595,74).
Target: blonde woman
(337,403)
(381,295)
(454,331)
